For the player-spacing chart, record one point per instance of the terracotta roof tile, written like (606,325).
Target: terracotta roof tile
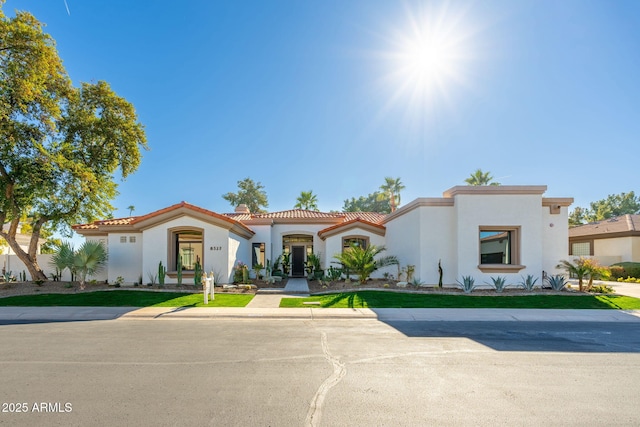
(373,217)
(348,223)
(298,214)
(111,221)
(340,217)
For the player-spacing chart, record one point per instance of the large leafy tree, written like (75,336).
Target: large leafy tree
(60,145)
(307,200)
(374,202)
(612,206)
(391,191)
(249,193)
(481,178)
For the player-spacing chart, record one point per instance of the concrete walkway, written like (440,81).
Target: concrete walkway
(295,288)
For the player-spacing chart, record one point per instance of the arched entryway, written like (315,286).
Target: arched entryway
(298,246)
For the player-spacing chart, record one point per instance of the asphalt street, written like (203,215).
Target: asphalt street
(300,372)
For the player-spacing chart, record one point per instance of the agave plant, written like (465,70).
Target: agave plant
(417,282)
(499,283)
(528,283)
(557,282)
(89,260)
(467,284)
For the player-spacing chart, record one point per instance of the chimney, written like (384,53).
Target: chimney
(242,208)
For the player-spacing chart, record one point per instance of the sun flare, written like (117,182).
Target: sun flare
(428,55)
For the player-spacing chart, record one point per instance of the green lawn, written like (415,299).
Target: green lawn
(126,299)
(376,299)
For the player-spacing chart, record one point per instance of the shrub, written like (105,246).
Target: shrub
(601,289)
(630,269)
(238,272)
(617,271)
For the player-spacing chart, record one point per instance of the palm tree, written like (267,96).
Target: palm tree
(131,209)
(307,200)
(579,268)
(63,258)
(89,259)
(362,260)
(391,189)
(481,178)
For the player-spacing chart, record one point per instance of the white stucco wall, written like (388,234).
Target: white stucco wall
(437,242)
(125,259)
(13,264)
(239,250)
(635,249)
(555,239)
(622,247)
(403,239)
(522,211)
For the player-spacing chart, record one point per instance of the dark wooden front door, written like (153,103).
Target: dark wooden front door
(297,261)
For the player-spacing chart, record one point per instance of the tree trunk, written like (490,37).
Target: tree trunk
(29,258)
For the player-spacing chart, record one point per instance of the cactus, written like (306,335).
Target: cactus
(162,273)
(197,274)
(23,276)
(179,270)
(439,274)
(245,274)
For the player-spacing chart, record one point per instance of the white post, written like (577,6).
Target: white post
(205,288)
(213,284)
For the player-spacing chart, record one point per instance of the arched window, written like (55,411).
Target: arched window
(188,244)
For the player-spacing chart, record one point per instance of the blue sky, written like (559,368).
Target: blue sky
(327,96)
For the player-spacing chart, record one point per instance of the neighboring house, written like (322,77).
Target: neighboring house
(23,240)
(480,231)
(10,261)
(611,240)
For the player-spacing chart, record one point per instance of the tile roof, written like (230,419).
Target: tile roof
(297,214)
(627,224)
(352,222)
(111,221)
(373,218)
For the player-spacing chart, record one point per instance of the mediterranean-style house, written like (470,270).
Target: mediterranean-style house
(611,240)
(479,231)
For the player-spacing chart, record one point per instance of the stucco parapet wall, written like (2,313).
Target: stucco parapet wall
(495,190)
(417,203)
(553,201)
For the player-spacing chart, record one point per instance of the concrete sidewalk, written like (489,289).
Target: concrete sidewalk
(53,314)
